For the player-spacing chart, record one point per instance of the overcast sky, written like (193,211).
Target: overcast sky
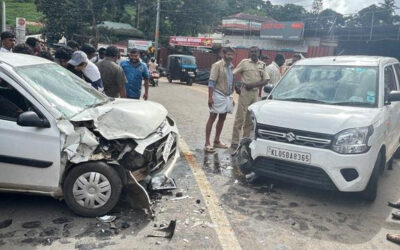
(341,6)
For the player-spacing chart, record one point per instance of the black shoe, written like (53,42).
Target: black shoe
(394,205)
(396,215)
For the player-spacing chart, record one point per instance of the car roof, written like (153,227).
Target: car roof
(347,61)
(17,60)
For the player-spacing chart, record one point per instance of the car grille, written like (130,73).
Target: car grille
(292,136)
(293,172)
(157,149)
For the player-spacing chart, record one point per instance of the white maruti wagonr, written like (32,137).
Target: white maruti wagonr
(331,123)
(61,137)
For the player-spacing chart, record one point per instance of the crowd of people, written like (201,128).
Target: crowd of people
(100,68)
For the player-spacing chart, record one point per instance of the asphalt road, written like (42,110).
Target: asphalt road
(218,209)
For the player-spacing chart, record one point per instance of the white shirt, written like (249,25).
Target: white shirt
(2,49)
(91,71)
(274,74)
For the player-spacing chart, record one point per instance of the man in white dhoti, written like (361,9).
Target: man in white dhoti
(220,101)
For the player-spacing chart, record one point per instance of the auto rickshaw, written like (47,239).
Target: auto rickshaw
(182,67)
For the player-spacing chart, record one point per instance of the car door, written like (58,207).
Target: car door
(397,74)
(392,110)
(29,156)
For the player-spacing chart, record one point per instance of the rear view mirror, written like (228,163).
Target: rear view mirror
(31,119)
(394,96)
(268,88)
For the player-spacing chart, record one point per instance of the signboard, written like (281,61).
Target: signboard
(191,41)
(238,24)
(20,30)
(139,44)
(282,31)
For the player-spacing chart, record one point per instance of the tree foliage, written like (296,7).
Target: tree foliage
(78,18)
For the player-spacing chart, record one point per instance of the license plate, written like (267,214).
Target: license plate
(289,155)
(168,146)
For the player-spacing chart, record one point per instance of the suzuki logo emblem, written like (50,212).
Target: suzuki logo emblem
(290,137)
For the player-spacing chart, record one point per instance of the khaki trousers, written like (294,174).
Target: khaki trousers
(242,118)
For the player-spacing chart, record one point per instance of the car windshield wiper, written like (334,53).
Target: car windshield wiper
(366,104)
(302,100)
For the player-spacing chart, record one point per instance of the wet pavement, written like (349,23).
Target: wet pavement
(263,214)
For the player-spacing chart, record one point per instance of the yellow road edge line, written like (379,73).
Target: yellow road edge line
(225,233)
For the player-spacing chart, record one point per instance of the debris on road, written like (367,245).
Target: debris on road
(395,238)
(32,224)
(168,231)
(185,240)
(180,198)
(107,218)
(5,223)
(394,205)
(198,201)
(179,193)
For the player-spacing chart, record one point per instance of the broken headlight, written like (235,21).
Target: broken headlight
(352,141)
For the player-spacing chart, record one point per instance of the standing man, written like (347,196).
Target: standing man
(135,72)
(34,44)
(91,73)
(7,41)
(220,101)
(274,71)
(253,75)
(112,74)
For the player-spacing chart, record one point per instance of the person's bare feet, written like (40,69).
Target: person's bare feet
(393,238)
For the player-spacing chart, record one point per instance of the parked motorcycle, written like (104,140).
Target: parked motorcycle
(155,75)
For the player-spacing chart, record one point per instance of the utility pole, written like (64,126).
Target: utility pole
(157,34)
(372,25)
(3,16)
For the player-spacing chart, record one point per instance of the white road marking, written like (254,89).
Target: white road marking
(226,235)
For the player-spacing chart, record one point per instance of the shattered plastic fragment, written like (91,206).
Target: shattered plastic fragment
(168,232)
(107,218)
(180,198)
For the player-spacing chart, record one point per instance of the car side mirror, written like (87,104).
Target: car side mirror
(31,119)
(394,96)
(268,88)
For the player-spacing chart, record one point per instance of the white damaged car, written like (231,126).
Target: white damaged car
(330,123)
(60,137)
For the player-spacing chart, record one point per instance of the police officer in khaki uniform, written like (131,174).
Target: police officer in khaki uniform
(253,75)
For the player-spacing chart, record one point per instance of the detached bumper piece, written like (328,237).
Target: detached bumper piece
(293,172)
(162,183)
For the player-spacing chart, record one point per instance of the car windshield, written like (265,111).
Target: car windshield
(335,85)
(62,89)
(188,60)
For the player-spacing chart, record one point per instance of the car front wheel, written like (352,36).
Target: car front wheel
(92,189)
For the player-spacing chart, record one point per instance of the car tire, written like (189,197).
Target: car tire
(169,79)
(92,189)
(371,190)
(190,81)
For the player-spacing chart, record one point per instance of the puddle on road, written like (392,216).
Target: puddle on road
(72,228)
(314,213)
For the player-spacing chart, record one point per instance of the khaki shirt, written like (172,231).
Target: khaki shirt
(113,77)
(218,75)
(251,72)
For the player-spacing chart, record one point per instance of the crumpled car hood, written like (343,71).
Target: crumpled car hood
(125,118)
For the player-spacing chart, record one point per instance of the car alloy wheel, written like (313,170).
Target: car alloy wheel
(92,190)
